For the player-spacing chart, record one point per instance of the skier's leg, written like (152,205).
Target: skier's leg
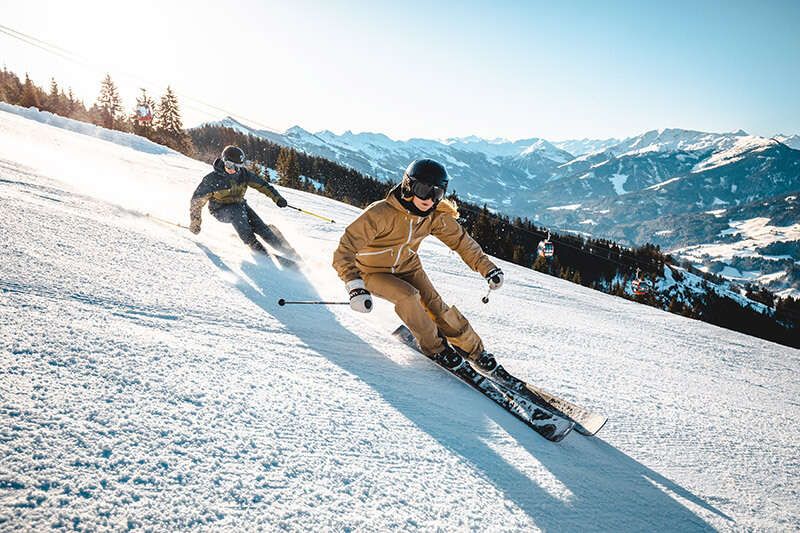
(259,227)
(409,308)
(236,214)
(270,234)
(449,320)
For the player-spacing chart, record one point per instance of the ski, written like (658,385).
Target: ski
(542,420)
(586,422)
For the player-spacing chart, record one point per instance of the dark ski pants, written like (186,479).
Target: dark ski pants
(246,223)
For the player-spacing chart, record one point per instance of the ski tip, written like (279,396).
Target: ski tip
(592,429)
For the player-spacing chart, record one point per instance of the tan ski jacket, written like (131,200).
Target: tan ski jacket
(386,237)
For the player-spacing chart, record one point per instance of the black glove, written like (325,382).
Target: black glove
(281,201)
(194,226)
(495,278)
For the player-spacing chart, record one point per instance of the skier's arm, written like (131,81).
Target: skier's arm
(447,229)
(264,187)
(356,237)
(199,199)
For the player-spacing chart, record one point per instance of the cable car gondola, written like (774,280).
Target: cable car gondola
(640,286)
(545,247)
(144,114)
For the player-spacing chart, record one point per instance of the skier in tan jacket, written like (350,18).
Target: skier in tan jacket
(378,254)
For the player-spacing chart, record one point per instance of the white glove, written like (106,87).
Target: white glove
(495,278)
(360,297)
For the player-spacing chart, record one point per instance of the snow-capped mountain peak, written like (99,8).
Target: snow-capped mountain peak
(674,139)
(792,141)
(232,123)
(742,145)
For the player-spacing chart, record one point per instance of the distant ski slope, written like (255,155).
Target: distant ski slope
(149,378)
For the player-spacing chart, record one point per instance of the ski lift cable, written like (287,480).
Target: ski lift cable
(66,54)
(787,312)
(37,44)
(622,251)
(70,56)
(791,314)
(26,36)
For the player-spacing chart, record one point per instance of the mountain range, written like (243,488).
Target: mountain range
(666,186)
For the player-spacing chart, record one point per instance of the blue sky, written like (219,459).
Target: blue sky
(411,69)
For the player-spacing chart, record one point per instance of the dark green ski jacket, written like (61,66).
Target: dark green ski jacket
(219,187)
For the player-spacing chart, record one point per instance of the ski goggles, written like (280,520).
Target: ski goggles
(230,165)
(424,191)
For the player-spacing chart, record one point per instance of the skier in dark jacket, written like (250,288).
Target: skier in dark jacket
(224,190)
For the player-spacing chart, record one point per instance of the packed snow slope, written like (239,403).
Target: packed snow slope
(150,380)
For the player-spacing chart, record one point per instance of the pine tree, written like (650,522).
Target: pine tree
(73,106)
(169,125)
(109,104)
(54,104)
(483,232)
(30,96)
(518,254)
(555,266)
(540,264)
(288,168)
(258,169)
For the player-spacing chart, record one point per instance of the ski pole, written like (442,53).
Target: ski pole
(326,219)
(163,221)
(283,302)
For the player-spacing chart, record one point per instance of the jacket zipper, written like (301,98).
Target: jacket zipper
(408,241)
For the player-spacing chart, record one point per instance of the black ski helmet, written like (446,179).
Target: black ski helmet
(233,154)
(427,171)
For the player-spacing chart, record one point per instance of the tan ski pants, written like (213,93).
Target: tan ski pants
(421,308)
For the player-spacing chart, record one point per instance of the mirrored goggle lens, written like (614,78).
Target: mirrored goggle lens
(230,165)
(426,192)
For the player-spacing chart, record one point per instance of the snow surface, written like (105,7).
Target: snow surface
(149,379)
(659,186)
(753,233)
(570,207)
(618,181)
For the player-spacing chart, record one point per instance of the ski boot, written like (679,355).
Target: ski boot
(486,364)
(449,358)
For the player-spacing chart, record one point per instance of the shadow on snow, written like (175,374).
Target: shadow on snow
(609,489)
